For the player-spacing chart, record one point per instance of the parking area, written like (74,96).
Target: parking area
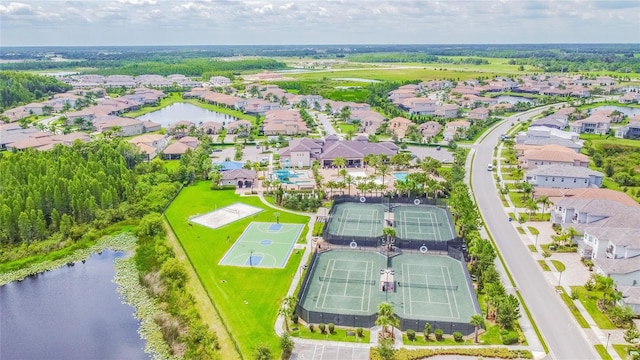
(440,155)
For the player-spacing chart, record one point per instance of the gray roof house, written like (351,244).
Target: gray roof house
(240,178)
(542,135)
(302,152)
(630,297)
(624,272)
(564,177)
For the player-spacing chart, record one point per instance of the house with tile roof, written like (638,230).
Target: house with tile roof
(479,113)
(594,124)
(430,129)
(399,126)
(150,144)
(241,178)
(532,156)
(302,152)
(454,127)
(128,126)
(631,130)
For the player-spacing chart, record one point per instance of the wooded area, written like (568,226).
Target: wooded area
(17,88)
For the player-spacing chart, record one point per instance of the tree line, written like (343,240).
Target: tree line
(21,88)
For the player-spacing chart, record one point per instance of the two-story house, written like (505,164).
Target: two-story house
(564,176)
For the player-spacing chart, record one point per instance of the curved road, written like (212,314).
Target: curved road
(559,329)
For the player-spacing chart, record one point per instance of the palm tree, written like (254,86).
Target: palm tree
(345,114)
(331,185)
(350,133)
(389,233)
(478,321)
(544,200)
(532,206)
(348,181)
(339,162)
(386,317)
(384,170)
(344,174)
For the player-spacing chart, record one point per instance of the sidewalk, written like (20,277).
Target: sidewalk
(575,274)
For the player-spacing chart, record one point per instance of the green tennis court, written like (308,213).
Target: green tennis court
(427,287)
(357,219)
(423,223)
(266,245)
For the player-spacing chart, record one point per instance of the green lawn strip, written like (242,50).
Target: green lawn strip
(533,230)
(344,127)
(422,73)
(543,265)
(506,175)
(603,352)
(589,300)
(520,230)
(558,265)
(532,248)
(249,298)
(572,307)
(622,350)
(559,249)
(339,334)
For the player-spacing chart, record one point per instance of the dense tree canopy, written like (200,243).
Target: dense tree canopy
(58,191)
(21,88)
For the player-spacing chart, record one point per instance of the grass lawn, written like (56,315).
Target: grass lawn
(572,307)
(339,334)
(344,127)
(558,265)
(249,298)
(533,230)
(516,199)
(559,249)
(622,350)
(544,265)
(589,301)
(603,352)
(520,230)
(389,74)
(532,248)
(491,336)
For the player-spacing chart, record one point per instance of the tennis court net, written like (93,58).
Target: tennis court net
(418,224)
(347,281)
(428,286)
(358,221)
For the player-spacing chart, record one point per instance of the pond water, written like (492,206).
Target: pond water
(513,99)
(630,112)
(185,111)
(74,312)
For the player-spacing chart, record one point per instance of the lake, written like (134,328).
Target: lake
(74,312)
(185,111)
(630,112)
(513,99)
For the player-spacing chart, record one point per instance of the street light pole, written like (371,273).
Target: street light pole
(608,336)
(560,278)
(537,239)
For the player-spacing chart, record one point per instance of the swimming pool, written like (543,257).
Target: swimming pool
(401,176)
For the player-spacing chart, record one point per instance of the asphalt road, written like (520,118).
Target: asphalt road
(559,329)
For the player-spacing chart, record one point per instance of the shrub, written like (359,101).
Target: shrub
(331,327)
(322,327)
(510,337)
(427,331)
(457,336)
(359,332)
(311,328)
(439,334)
(295,318)
(411,335)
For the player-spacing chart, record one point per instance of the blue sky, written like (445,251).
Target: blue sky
(257,22)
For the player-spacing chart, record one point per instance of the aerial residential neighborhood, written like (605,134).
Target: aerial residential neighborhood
(410,180)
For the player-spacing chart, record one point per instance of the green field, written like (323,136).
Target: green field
(399,74)
(247,298)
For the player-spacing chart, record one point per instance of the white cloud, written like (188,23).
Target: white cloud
(28,22)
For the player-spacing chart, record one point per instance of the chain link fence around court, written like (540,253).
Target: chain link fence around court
(389,205)
(368,321)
